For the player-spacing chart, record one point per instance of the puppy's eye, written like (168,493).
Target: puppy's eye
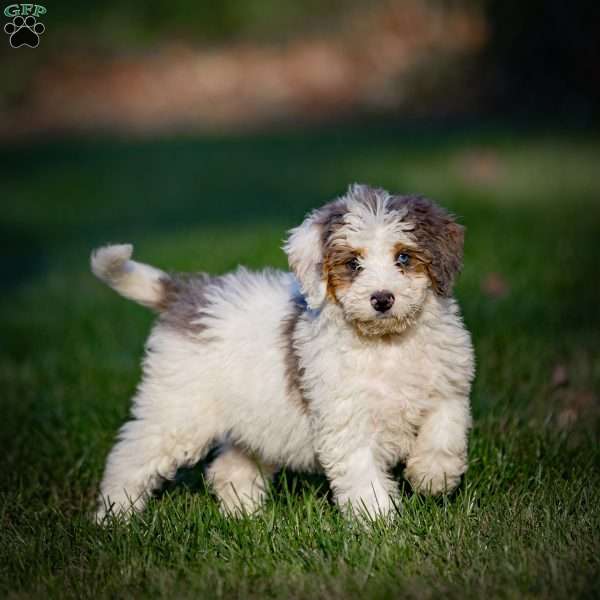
(354,265)
(403,259)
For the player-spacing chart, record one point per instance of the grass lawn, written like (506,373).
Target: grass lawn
(526,520)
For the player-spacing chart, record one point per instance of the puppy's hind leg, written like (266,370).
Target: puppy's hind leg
(148,452)
(239,480)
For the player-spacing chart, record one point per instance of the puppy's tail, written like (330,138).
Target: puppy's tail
(142,283)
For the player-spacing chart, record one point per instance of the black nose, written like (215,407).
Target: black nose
(382,301)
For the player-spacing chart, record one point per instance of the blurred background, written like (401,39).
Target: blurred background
(201,131)
(149,67)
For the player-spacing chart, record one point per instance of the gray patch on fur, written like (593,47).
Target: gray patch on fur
(331,219)
(293,371)
(184,299)
(438,237)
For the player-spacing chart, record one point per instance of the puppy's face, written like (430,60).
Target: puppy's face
(377,256)
(374,271)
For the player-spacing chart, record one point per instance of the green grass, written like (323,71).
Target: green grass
(526,520)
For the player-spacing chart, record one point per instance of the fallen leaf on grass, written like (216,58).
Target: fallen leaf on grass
(494,285)
(560,376)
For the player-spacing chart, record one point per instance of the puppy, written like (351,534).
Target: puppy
(355,361)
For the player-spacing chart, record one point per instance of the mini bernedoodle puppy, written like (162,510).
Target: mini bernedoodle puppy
(354,362)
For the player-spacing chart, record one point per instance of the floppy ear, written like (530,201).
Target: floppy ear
(304,248)
(448,257)
(440,238)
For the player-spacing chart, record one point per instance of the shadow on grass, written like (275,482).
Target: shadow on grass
(286,484)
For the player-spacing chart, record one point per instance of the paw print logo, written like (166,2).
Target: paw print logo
(24,31)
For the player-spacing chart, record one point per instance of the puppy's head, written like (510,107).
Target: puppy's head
(377,256)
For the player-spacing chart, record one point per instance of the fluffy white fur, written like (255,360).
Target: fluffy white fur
(369,401)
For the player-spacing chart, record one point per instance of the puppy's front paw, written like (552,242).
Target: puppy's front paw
(368,504)
(435,473)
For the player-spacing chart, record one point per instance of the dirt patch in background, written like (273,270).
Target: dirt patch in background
(408,56)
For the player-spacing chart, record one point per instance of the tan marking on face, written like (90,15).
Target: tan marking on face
(418,261)
(338,274)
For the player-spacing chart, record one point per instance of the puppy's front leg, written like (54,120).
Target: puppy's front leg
(439,455)
(359,479)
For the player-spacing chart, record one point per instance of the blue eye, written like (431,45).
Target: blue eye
(403,259)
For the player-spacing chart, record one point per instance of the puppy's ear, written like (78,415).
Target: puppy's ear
(306,245)
(448,259)
(304,248)
(440,238)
